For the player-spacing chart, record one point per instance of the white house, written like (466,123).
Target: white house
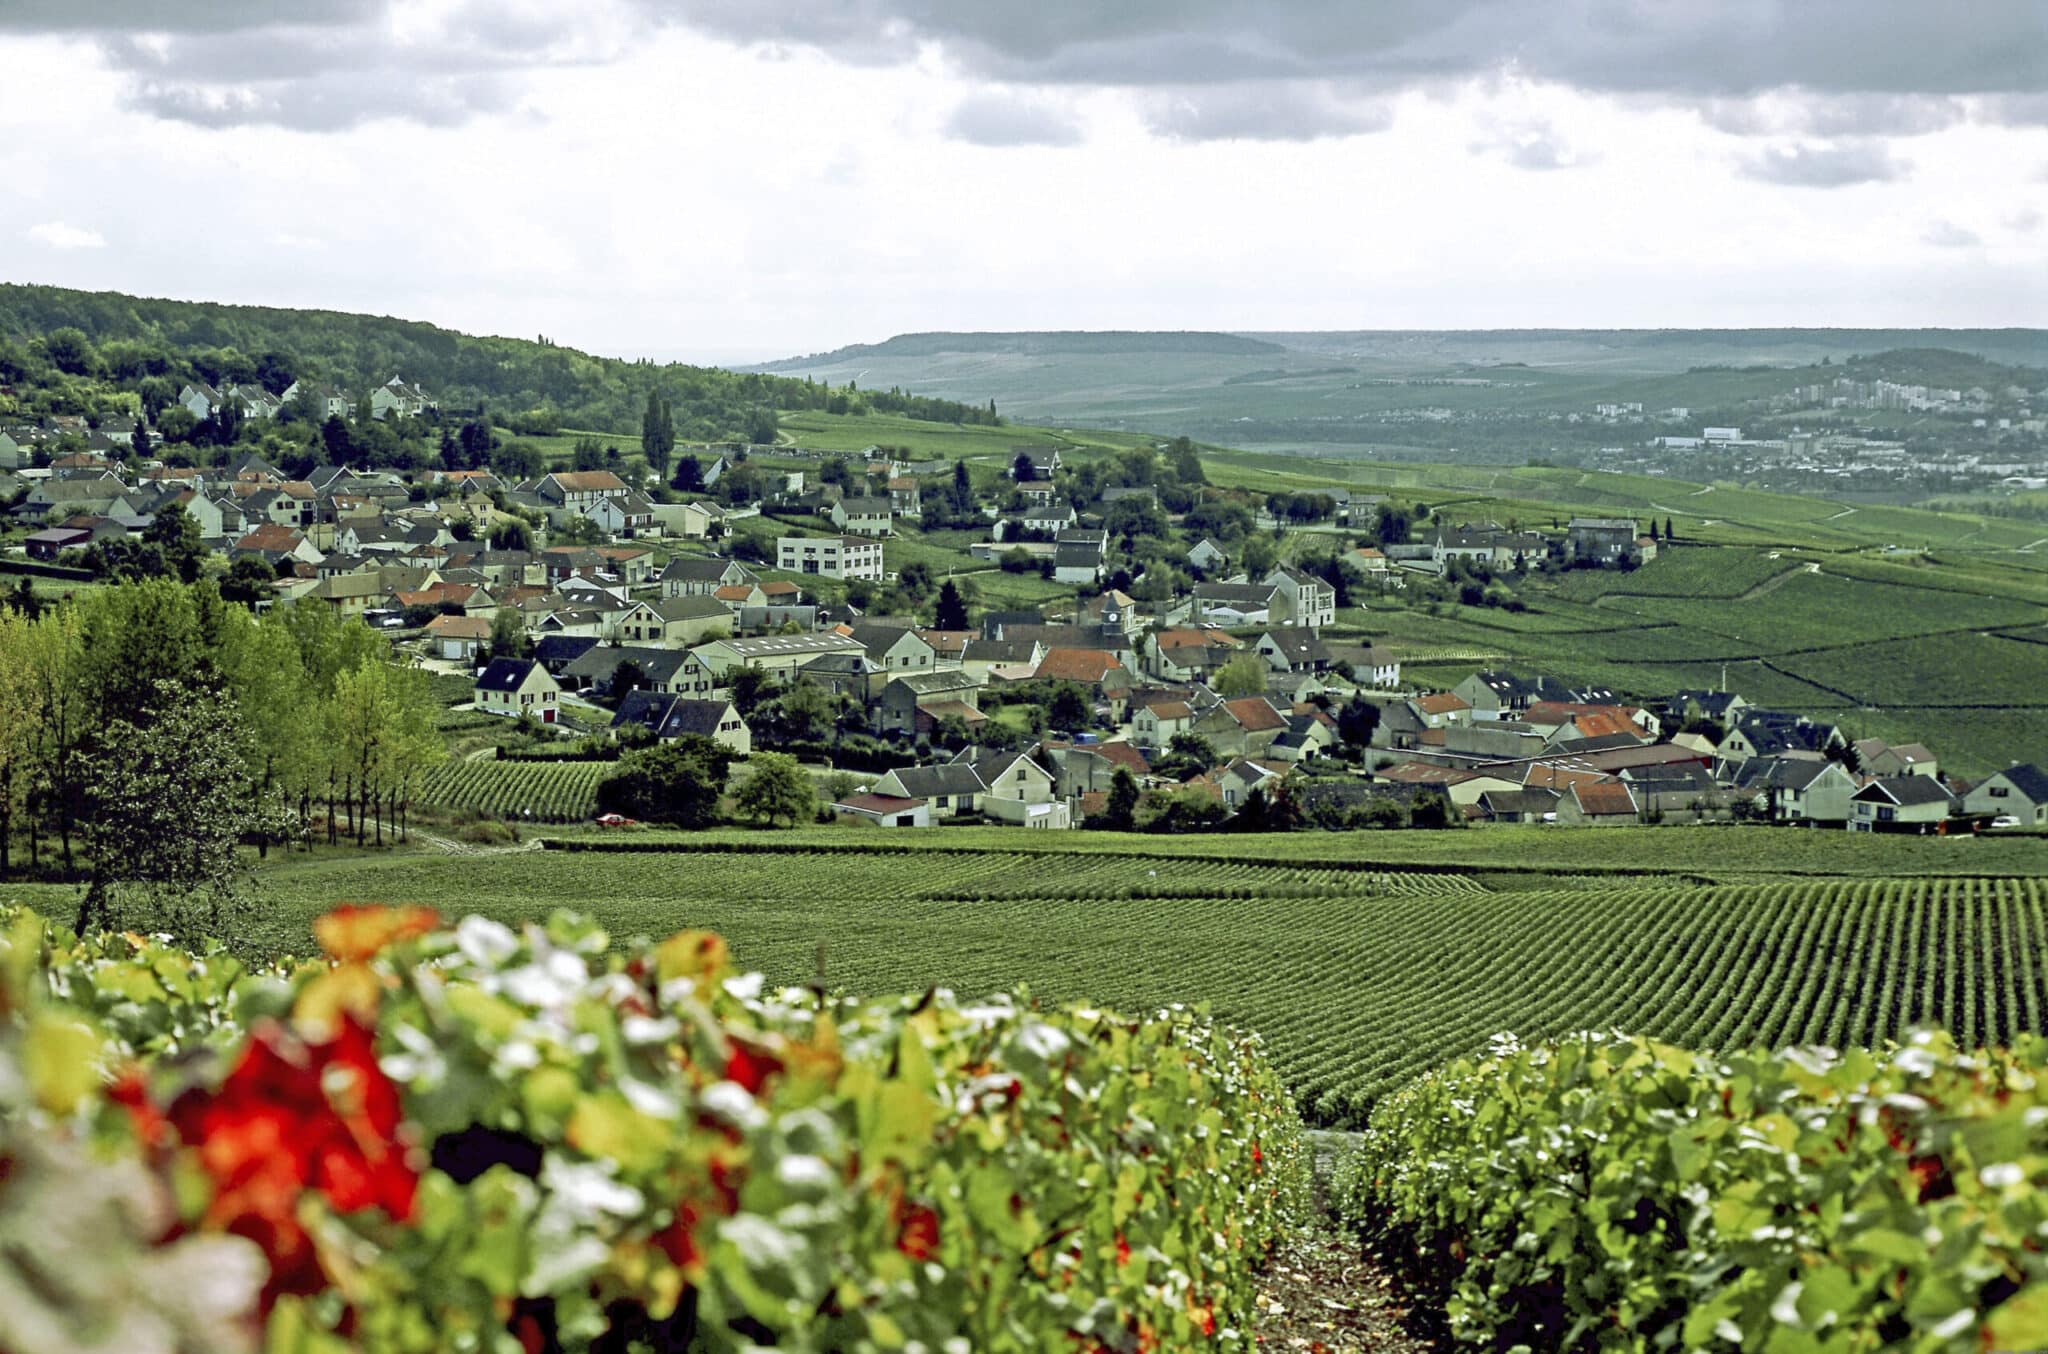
(830,556)
(864,516)
(400,397)
(517,686)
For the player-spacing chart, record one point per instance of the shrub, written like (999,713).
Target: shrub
(488,1139)
(1609,1192)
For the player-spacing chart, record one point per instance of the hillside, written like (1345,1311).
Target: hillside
(1065,342)
(533,384)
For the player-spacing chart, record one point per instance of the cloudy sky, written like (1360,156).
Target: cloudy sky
(750,178)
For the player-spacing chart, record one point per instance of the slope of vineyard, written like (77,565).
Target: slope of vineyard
(543,792)
(1358,979)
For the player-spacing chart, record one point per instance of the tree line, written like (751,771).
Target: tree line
(148,729)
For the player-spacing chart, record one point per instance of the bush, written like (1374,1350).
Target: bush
(487,1139)
(1609,1192)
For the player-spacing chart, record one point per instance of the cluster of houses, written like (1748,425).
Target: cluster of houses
(1589,542)
(397,397)
(1504,747)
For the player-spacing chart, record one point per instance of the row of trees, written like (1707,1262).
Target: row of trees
(147,728)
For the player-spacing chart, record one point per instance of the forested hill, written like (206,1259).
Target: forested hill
(525,383)
(1065,342)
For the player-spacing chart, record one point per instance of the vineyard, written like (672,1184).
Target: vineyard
(1359,978)
(543,792)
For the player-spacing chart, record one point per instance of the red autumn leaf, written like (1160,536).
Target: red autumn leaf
(354,933)
(917,1234)
(750,1066)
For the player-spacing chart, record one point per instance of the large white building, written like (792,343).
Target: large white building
(830,556)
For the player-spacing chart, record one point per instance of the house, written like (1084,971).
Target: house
(775,654)
(915,702)
(702,577)
(349,594)
(949,790)
(517,686)
(557,652)
(322,400)
(830,556)
(1236,604)
(1188,655)
(1207,556)
(458,638)
(1245,727)
(1018,790)
(672,620)
(905,498)
(626,515)
(1498,694)
(665,672)
(1875,757)
(1762,733)
(1368,561)
(1293,649)
(1901,804)
(1049,519)
(876,810)
(1034,463)
(577,491)
(1602,540)
(400,397)
(45,546)
(2019,791)
(696,521)
(897,649)
(1311,603)
(1602,803)
(1804,789)
(1518,806)
(864,516)
(844,674)
(1441,710)
(670,716)
(1079,557)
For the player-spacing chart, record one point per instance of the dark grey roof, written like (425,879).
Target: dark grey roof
(2029,780)
(697,570)
(953,778)
(1907,790)
(556,651)
(505,674)
(600,663)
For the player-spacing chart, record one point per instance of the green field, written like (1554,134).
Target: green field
(541,792)
(1363,958)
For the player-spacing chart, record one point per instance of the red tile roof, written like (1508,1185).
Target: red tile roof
(1076,665)
(1443,703)
(1603,798)
(872,803)
(1255,714)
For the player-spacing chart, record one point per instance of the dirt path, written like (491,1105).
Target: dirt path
(1776,581)
(1320,1297)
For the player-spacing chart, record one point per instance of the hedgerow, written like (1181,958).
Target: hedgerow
(1616,1193)
(475,1138)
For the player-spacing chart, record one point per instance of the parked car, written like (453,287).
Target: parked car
(2005,820)
(616,820)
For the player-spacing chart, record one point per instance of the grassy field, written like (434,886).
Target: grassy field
(1362,958)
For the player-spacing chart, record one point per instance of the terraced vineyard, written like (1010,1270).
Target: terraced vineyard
(544,792)
(1359,976)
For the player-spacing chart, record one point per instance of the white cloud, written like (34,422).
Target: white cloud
(1949,235)
(63,235)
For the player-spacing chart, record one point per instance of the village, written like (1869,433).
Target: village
(584,604)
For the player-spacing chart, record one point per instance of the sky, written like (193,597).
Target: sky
(732,180)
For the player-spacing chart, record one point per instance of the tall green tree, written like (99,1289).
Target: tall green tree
(173,531)
(1243,675)
(952,608)
(657,432)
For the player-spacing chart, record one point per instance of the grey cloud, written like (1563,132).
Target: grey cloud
(1949,235)
(2025,221)
(1842,165)
(1533,145)
(1275,111)
(1732,50)
(995,118)
(1849,67)
(1804,113)
(326,103)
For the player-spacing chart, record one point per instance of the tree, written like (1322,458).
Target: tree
(657,432)
(776,787)
(20,721)
(509,533)
(588,454)
(336,440)
(1021,469)
(627,678)
(1069,709)
(678,783)
(1243,675)
(516,460)
(915,580)
(689,477)
(138,440)
(174,531)
(70,351)
(750,687)
(1357,720)
(508,636)
(248,581)
(952,611)
(1431,810)
(1120,814)
(1669,535)
(170,801)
